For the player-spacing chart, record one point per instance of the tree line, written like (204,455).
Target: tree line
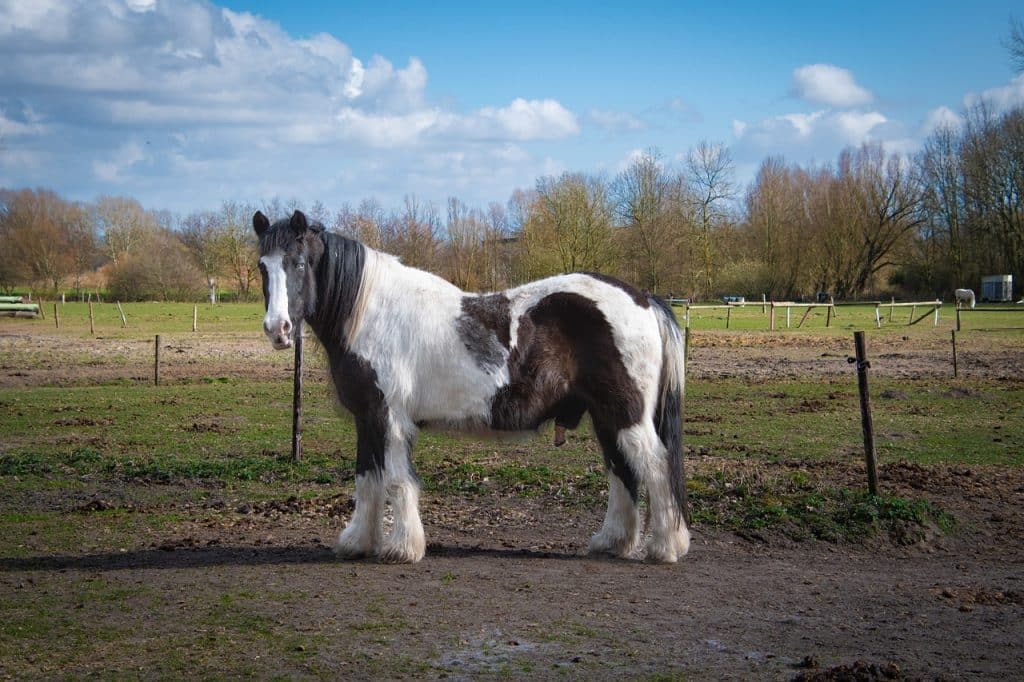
(871,223)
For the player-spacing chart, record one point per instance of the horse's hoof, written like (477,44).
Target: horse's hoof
(399,555)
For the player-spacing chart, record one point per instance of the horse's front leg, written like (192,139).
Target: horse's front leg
(363,536)
(406,543)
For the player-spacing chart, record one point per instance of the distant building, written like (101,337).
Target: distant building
(997,288)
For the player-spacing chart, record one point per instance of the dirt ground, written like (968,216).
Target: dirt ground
(506,589)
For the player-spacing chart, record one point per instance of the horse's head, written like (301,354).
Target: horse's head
(289,251)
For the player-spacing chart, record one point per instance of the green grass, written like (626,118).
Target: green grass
(855,317)
(145,319)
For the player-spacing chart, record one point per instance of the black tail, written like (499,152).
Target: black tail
(668,415)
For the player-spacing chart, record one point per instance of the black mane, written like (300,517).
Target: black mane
(339,275)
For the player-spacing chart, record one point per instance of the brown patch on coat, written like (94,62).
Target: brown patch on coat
(639,297)
(565,356)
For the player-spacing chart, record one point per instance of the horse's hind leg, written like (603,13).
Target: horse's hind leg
(646,455)
(620,533)
(406,543)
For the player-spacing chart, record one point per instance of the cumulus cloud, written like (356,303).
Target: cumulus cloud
(829,85)
(106,87)
(819,134)
(1002,98)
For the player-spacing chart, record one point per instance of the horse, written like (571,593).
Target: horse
(408,350)
(964,296)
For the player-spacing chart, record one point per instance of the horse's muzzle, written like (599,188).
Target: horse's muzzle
(279,332)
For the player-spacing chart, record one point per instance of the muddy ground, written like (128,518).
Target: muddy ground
(506,589)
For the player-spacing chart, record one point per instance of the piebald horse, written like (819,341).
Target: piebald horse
(408,350)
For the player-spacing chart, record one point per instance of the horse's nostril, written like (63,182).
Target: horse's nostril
(286,327)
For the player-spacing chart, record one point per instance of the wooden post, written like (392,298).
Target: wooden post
(804,318)
(865,412)
(56,316)
(832,302)
(42,313)
(156,362)
(953,334)
(878,315)
(764,298)
(771,319)
(892,304)
(788,308)
(686,315)
(828,314)
(937,306)
(913,312)
(195,318)
(958,318)
(297,397)
(62,298)
(124,320)
(686,345)
(728,316)
(92,321)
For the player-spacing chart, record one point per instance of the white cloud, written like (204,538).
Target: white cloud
(940,117)
(829,85)
(616,121)
(528,120)
(1002,98)
(819,134)
(233,100)
(115,170)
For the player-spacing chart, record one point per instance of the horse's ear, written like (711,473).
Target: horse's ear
(298,223)
(260,223)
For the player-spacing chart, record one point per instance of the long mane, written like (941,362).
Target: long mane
(341,294)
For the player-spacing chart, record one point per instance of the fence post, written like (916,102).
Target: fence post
(892,304)
(828,314)
(938,304)
(195,318)
(958,318)
(124,320)
(728,316)
(764,298)
(156,362)
(953,335)
(772,318)
(56,316)
(878,315)
(865,412)
(788,309)
(92,321)
(297,396)
(686,315)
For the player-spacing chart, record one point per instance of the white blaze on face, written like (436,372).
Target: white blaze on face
(276,323)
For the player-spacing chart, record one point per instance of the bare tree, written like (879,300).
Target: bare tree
(1015,44)
(710,174)
(238,245)
(202,234)
(34,225)
(643,197)
(123,223)
(569,228)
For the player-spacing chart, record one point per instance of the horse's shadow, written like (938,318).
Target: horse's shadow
(205,557)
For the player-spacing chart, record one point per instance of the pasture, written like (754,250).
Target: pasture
(155,531)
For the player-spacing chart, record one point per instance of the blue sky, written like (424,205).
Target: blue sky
(187,104)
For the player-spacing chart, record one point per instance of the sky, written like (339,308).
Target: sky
(187,104)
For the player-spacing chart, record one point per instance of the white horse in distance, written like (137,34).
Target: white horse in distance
(964,297)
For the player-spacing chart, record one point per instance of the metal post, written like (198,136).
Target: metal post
(953,334)
(156,362)
(297,397)
(865,412)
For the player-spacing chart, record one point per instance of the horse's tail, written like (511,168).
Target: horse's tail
(668,418)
